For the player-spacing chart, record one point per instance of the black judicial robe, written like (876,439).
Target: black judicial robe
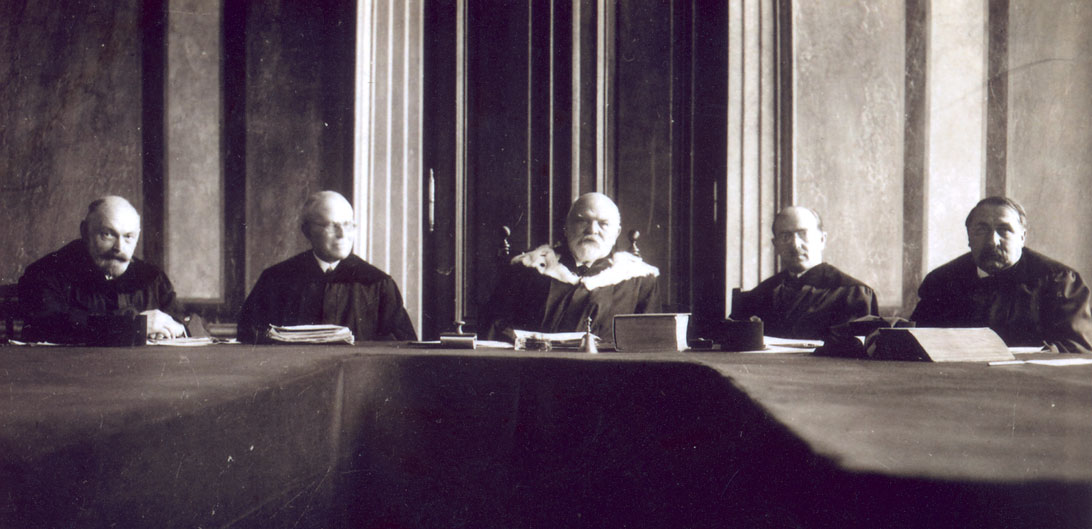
(356,295)
(61,290)
(543,291)
(806,307)
(1036,301)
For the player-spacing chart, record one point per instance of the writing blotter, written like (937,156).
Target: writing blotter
(938,345)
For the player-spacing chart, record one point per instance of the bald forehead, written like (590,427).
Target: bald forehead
(597,205)
(324,202)
(113,208)
(797,217)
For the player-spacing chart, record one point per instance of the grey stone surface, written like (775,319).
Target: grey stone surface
(70,118)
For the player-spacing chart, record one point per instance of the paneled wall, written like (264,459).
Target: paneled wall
(889,118)
(1049,164)
(848,130)
(907,114)
(70,120)
(194,245)
(388,184)
(298,95)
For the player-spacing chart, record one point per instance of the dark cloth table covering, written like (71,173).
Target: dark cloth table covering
(382,436)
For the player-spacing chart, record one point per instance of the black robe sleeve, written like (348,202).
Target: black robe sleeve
(355,295)
(806,307)
(1068,325)
(393,322)
(255,317)
(1037,302)
(517,302)
(539,292)
(60,292)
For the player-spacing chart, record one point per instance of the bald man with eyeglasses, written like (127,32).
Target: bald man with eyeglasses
(808,296)
(327,284)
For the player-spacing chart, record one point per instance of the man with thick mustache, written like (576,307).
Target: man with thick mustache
(1025,297)
(557,291)
(326,284)
(807,296)
(94,275)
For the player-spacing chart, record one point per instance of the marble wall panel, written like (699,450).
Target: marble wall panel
(70,93)
(956,125)
(848,133)
(195,204)
(1049,166)
(286,133)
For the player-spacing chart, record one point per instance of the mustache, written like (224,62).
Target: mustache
(114,256)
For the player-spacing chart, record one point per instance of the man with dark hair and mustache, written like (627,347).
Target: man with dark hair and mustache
(97,275)
(807,296)
(548,290)
(1025,297)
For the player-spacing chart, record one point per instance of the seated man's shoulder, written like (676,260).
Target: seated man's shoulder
(634,266)
(296,267)
(1040,265)
(956,269)
(539,258)
(290,267)
(544,261)
(362,271)
(829,276)
(65,257)
(143,272)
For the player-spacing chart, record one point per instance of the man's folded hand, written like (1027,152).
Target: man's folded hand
(163,327)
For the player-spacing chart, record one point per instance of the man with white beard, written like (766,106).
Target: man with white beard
(557,291)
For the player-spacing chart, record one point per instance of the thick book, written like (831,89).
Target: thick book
(650,332)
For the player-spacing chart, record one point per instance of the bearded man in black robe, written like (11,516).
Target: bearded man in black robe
(548,290)
(1027,298)
(807,297)
(94,276)
(327,284)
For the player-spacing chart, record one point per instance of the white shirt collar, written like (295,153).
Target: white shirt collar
(325,266)
(982,273)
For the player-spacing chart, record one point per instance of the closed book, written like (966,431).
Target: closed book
(650,332)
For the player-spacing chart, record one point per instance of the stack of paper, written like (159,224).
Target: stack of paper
(310,334)
(549,341)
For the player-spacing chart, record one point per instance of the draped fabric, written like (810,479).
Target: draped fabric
(542,290)
(356,295)
(1037,301)
(59,292)
(807,306)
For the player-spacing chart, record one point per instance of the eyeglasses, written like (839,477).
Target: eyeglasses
(786,237)
(346,227)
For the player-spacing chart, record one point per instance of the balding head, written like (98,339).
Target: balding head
(799,238)
(327,222)
(592,227)
(111,231)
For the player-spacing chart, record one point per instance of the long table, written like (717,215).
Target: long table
(383,435)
